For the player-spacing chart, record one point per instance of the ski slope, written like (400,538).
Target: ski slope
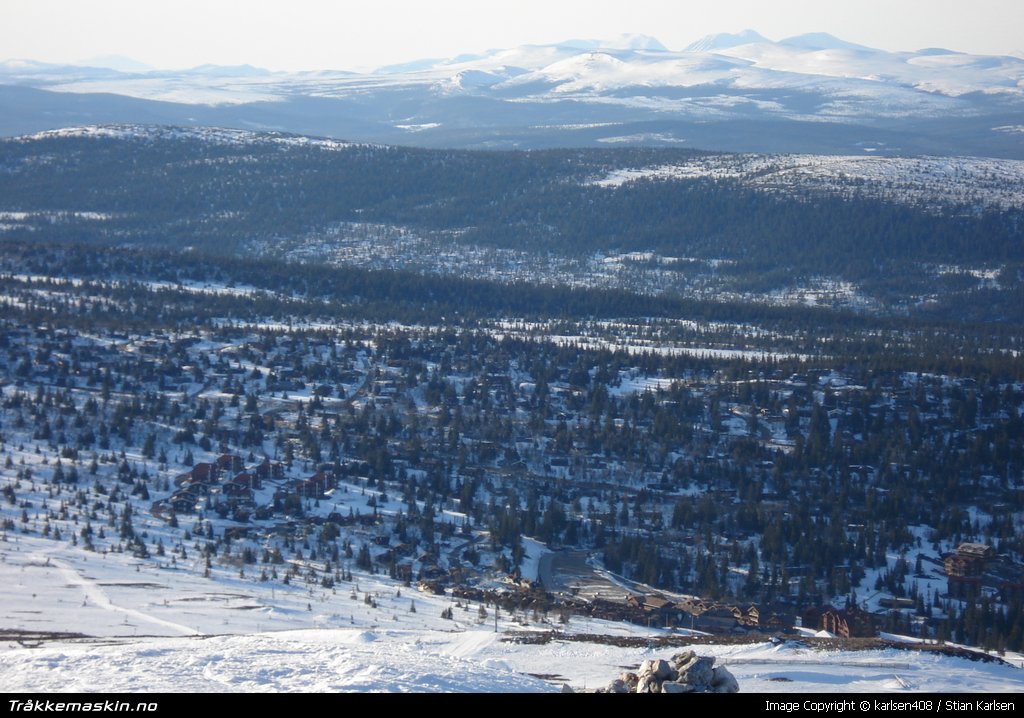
(152,626)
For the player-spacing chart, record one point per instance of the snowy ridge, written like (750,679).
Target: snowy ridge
(625,41)
(213,135)
(811,78)
(794,61)
(971,181)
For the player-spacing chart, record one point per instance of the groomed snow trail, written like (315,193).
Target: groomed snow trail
(96,594)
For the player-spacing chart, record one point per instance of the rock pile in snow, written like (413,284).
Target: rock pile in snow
(683,673)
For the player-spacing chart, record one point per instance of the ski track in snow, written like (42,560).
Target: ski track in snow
(97,595)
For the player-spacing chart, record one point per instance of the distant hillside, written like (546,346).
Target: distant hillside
(758,220)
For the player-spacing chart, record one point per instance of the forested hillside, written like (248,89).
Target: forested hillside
(239,194)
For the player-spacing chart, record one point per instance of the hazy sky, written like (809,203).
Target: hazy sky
(306,34)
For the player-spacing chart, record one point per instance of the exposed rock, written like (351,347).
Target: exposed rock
(664,671)
(724,681)
(670,687)
(697,671)
(681,659)
(648,684)
(684,673)
(617,686)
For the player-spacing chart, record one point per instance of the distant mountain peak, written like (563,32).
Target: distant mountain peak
(821,41)
(725,40)
(228,70)
(625,41)
(23,65)
(120,63)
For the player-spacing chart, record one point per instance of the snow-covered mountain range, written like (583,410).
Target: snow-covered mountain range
(812,92)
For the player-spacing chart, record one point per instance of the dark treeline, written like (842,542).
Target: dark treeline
(315,292)
(433,295)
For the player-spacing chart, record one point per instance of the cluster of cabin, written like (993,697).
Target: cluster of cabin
(974,569)
(718,618)
(226,477)
(849,622)
(721,618)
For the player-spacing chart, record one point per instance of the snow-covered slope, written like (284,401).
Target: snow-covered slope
(471,661)
(307,661)
(724,40)
(935,71)
(973,182)
(158,626)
